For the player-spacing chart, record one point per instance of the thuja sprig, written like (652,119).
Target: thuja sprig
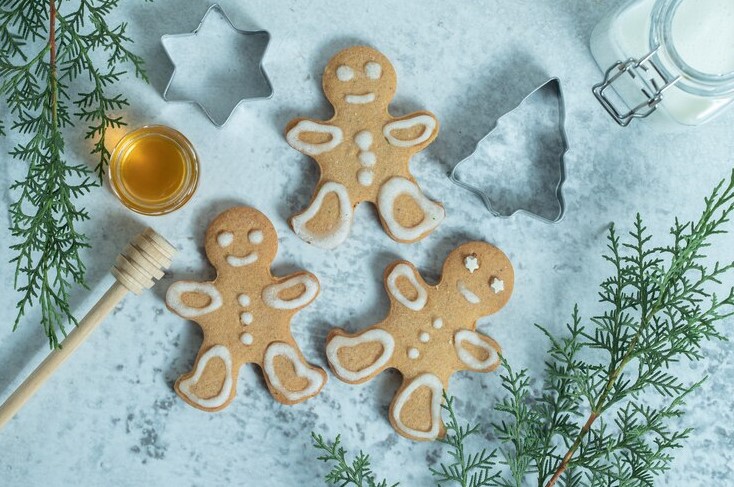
(50,77)
(343,473)
(592,424)
(603,414)
(466,469)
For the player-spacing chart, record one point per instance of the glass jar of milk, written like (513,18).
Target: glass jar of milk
(669,60)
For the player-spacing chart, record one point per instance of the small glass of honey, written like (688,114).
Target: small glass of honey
(154,170)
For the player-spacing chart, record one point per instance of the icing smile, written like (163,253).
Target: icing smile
(360,99)
(466,293)
(248,259)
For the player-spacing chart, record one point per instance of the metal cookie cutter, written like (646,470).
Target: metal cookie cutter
(227,69)
(559,132)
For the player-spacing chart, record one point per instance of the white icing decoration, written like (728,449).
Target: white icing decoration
(243,299)
(436,387)
(367,158)
(246,339)
(365,177)
(429,125)
(404,270)
(248,259)
(373,70)
(433,213)
(293,137)
(178,289)
(360,99)
(303,370)
(466,293)
(374,335)
(246,318)
(471,263)
(437,323)
(217,351)
(225,239)
(340,230)
(424,337)
(271,292)
(255,237)
(413,353)
(497,285)
(467,357)
(363,139)
(344,73)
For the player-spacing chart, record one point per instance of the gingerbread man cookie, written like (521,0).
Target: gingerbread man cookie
(363,153)
(428,334)
(245,314)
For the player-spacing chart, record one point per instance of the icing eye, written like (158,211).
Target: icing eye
(255,237)
(225,239)
(344,73)
(373,70)
(497,285)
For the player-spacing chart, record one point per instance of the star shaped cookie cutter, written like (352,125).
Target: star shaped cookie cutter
(555,85)
(244,92)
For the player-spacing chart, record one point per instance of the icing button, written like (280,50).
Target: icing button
(246,339)
(246,318)
(437,323)
(413,353)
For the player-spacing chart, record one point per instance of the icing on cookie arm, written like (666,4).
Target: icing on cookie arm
(425,121)
(272,294)
(483,356)
(346,359)
(301,127)
(405,272)
(175,302)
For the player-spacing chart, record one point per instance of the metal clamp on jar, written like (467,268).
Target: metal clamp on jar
(669,60)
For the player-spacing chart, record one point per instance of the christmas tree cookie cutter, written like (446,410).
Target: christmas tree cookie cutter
(223,74)
(553,85)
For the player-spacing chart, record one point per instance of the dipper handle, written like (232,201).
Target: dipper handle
(141,263)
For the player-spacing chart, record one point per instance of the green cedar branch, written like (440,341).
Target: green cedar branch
(49,81)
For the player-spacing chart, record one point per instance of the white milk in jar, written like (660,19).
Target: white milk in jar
(671,60)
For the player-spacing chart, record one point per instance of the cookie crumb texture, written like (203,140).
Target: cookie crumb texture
(429,333)
(245,314)
(363,153)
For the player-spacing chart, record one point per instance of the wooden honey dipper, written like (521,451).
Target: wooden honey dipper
(141,263)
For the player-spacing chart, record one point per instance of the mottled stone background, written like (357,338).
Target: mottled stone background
(110,417)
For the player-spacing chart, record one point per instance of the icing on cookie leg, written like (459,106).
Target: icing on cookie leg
(340,223)
(409,404)
(388,204)
(355,372)
(222,384)
(286,386)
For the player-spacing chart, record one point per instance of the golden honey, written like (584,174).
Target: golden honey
(154,170)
